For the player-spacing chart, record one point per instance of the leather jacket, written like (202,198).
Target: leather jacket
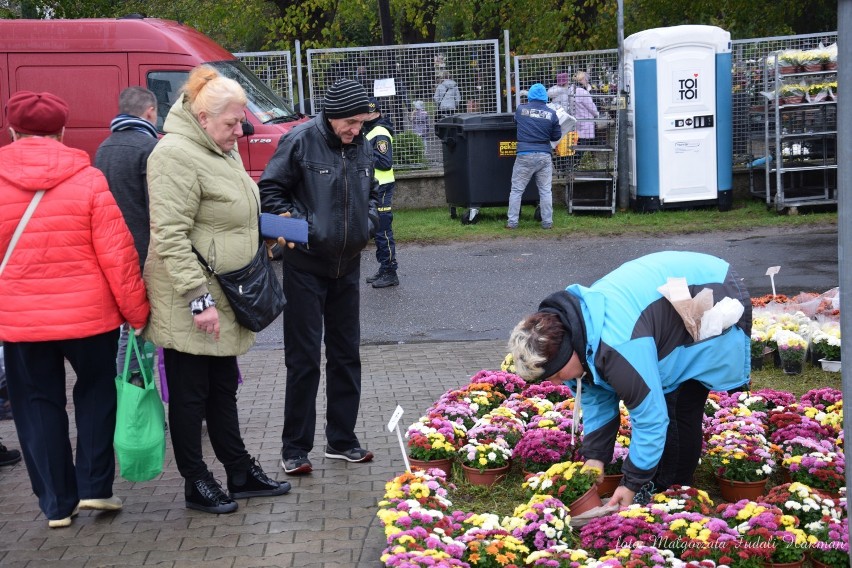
(316,177)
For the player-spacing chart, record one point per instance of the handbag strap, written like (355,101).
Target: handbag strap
(203,261)
(21,225)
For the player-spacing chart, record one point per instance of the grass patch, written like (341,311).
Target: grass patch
(502,498)
(435,225)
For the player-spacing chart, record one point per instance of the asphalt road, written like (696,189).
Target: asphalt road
(475,291)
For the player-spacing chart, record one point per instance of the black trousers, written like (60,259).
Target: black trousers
(204,387)
(685,406)
(35,374)
(316,304)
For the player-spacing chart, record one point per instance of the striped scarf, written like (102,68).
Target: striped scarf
(130,122)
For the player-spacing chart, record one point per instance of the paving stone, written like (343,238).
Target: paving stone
(328,520)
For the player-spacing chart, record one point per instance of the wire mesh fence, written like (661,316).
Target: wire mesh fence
(416,85)
(430,81)
(749,58)
(274,69)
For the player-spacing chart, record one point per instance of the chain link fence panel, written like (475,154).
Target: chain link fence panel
(416,85)
(274,69)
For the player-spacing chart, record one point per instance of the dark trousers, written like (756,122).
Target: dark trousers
(685,406)
(204,387)
(315,303)
(385,243)
(36,379)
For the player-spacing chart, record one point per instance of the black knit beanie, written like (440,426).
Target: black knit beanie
(345,98)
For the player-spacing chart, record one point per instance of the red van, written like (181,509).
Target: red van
(89,62)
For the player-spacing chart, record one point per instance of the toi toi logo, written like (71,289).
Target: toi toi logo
(688,88)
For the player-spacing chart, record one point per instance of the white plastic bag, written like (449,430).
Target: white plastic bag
(720,317)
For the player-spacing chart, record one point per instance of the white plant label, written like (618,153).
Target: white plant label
(771,272)
(397,414)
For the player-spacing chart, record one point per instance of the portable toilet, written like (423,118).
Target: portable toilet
(679,117)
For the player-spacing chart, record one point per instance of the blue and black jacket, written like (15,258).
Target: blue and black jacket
(637,349)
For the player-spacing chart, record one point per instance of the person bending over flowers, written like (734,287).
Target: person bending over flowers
(621,339)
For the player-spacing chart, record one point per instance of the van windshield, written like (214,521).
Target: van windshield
(267,106)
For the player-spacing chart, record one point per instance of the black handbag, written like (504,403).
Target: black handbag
(253,291)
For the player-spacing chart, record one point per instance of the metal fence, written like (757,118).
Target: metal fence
(274,69)
(474,67)
(749,57)
(601,68)
(415,85)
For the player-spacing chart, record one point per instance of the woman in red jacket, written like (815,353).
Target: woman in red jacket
(70,281)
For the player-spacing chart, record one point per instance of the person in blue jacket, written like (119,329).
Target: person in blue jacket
(538,126)
(621,339)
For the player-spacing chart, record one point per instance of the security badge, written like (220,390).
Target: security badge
(382,146)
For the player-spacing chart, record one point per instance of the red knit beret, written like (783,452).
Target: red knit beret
(40,114)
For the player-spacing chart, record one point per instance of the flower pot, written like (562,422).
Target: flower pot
(609,484)
(816,563)
(829,66)
(485,477)
(787,69)
(784,475)
(830,366)
(588,500)
(796,564)
(811,67)
(445,465)
(756,363)
(733,491)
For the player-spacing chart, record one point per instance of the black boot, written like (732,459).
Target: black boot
(206,495)
(386,279)
(374,277)
(255,483)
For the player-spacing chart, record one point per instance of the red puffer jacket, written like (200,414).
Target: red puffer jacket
(74,272)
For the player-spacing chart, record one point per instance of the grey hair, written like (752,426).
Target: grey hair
(523,345)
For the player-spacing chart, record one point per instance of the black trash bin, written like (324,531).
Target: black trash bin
(479,153)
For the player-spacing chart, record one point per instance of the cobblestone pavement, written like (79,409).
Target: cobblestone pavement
(327,520)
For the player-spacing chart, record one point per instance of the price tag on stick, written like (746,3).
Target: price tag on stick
(393,424)
(771,272)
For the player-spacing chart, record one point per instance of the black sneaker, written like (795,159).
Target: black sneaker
(355,455)
(255,483)
(386,279)
(373,278)
(206,495)
(9,457)
(298,465)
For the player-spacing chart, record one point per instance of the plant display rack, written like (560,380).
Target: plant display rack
(592,180)
(798,145)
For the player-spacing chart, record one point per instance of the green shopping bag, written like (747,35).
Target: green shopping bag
(140,436)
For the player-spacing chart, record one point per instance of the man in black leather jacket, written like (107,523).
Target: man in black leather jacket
(322,171)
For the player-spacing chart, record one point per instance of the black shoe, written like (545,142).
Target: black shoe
(206,495)
(255,483)
(355,455)
(373,278)
(9,457)
(386,279)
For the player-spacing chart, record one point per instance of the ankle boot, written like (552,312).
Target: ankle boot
(386,279)
(253,482)
(205,494)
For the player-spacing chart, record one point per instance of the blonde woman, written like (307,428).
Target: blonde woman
(202,197)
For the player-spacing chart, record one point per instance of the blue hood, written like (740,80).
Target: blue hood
(537,93)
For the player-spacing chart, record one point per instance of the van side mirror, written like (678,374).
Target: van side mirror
(248,128)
